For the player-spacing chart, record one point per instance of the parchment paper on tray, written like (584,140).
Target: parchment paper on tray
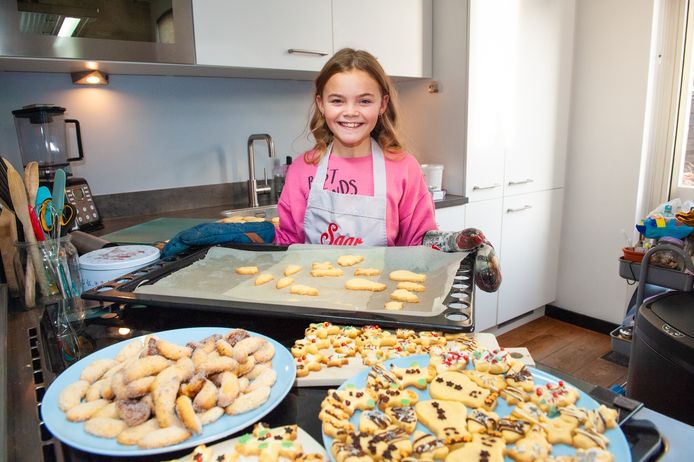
(214,277)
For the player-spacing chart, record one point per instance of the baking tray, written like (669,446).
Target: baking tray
(454,313)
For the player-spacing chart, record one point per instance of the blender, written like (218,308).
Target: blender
(42,135)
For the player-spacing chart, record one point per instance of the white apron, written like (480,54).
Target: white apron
(347,219)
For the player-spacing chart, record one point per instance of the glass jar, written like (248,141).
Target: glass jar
(47,271)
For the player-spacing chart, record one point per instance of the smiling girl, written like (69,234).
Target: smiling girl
(357,185)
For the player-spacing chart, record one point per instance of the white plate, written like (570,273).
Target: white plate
(309,445)
(73,434)
(618,443)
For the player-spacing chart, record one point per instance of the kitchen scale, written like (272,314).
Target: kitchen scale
(42,134)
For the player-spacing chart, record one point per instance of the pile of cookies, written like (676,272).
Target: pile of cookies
(157,393)
(408,283)
(264,444)
(330,345)
(459,415)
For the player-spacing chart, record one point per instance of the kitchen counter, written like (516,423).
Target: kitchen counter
(118,223)
(28,357)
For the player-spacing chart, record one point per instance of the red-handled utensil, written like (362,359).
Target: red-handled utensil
(35,224)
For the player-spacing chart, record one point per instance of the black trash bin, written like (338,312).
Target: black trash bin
(661,368)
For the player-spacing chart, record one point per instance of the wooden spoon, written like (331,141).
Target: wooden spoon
(31,182)
(21,208)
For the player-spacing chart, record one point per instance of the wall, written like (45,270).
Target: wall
(155,132)
(610,78)
(434,124)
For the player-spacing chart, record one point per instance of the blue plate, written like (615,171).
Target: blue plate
(73,433)
(618,443)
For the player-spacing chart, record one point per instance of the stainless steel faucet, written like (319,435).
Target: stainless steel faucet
(253,188)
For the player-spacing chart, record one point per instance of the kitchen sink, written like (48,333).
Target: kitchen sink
(266,211)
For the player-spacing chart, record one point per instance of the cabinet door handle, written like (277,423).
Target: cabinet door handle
(525,207)
(480,188)
(301,51)
(515,183)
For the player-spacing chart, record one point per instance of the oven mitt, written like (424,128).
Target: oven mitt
(487,269)
(262,232)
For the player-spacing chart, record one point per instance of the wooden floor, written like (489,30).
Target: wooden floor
(568,348)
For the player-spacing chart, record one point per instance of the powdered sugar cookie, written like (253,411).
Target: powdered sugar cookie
(534,446)
(263,279)
(284,282)
(292,269)
(407,276)
(411,286)
(364,284)
(393,305)
(330,273)
(349,260)
(402,295)
(367,272)
(300,289)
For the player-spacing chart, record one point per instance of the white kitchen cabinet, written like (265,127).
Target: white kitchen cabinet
(486,216)
(529,251)
(265,34)
(539,81)
(451,218)
(397,32)
(490,26)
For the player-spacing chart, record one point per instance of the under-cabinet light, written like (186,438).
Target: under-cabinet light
(89,78)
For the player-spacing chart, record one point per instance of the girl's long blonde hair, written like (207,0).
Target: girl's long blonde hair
(385,132)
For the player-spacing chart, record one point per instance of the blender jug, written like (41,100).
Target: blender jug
(42,138)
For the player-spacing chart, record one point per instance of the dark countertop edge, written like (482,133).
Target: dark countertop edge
(116,224)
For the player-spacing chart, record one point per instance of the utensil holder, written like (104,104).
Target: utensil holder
(59,266)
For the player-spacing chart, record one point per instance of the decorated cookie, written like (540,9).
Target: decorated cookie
(428,447)
(413,375)
(530,412)
(403,417)
(443,359)
(512,429)
(554,395)
(307,363)
(395,397)
(534,446)
(354,398)
(496,361)
(373,421)
(576,415)
(322,329)
(514,395)
(455,386)
(381,378)
(343,451)
(390,444)
(593,455)
(588,438)
(493,382)
(601,419)
(483,447)
(446,419)
(481,421)
(558,430)
(519,376)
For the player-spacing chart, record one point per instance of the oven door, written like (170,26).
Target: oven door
(149,31)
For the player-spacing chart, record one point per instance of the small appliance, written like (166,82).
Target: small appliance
(42,135)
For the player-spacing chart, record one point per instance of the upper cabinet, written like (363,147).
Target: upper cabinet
(301,36)
(265,34)
(397,32)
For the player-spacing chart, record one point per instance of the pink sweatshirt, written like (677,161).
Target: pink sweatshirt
(409,208)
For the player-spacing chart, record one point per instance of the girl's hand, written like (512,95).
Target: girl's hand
(487,269)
